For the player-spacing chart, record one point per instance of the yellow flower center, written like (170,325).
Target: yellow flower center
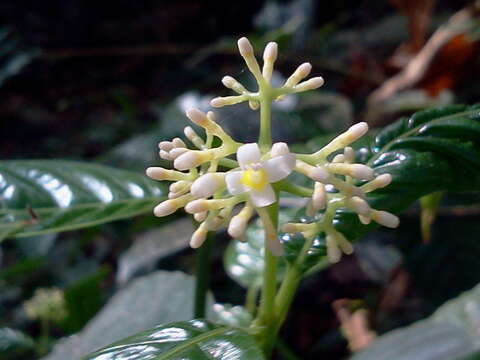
(255,179)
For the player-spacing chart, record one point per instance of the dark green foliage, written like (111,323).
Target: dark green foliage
(46,196)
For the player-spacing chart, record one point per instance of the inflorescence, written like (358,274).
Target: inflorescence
(210,184)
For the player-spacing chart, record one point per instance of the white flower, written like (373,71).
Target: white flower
(256,175)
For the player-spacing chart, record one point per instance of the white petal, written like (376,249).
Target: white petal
(247,154)
(234,184)
(263,198)
(279,167)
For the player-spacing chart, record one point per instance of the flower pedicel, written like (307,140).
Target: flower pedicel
(210,184)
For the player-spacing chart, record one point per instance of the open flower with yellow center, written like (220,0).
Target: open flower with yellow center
(256,174)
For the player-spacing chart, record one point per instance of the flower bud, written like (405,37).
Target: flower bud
(365,220)
(385,218)
(299,74)
(333,251)
(197,206)
(188,160)
(319,197)
(165,208)
(245,48)
(349,154)
(174,153)
(200,216)
(310,84)
(233,84)
(178,143)
(359,205)
(237,226)
(379,182)
(206,185)
(339,158)
(197,117)
(279,149)
(199,236)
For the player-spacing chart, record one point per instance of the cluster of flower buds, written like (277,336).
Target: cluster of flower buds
(208,183)
(335,186)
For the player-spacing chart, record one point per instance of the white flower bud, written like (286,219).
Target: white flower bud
(310,84)
(365,220)
(165,208)
(180,186)
(165,155)
(359,205)
(233,84)
(165,145)
(188,160)
(201,216)
(339,158)
(356,131)
(237,226)
(278,149)
(206,185)
(199,236)
(245,48)
(174,153)
(299,74)
(271,52)
(197,206)
(197,117)
(333,251)
(362,172)
(178,143)
(319,174)
(349,154)
(319,196)
(385,218)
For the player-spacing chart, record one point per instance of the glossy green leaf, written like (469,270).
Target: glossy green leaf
(158,298)
(46,196)
(433,150)
(452,332)
(194,339)
(13,343)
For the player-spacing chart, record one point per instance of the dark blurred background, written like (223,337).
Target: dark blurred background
(106,80)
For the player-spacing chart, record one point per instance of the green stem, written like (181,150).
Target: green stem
(285,295)
(287,186)
(265,137)
(251,299)
(269,218)
(202,271)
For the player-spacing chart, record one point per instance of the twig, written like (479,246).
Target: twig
(419,64)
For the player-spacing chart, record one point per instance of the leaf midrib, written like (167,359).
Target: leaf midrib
(413,130)
(183,346)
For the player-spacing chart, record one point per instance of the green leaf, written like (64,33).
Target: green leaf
(13,343)
(452,332)
(47,196)
(433,150)
(194,339)
(158,298)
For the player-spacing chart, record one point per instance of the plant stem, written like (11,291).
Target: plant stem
(202,271)
(251,299)
(286,294)
(269,217)
(265,136)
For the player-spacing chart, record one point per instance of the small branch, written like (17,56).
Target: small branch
(419,64)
